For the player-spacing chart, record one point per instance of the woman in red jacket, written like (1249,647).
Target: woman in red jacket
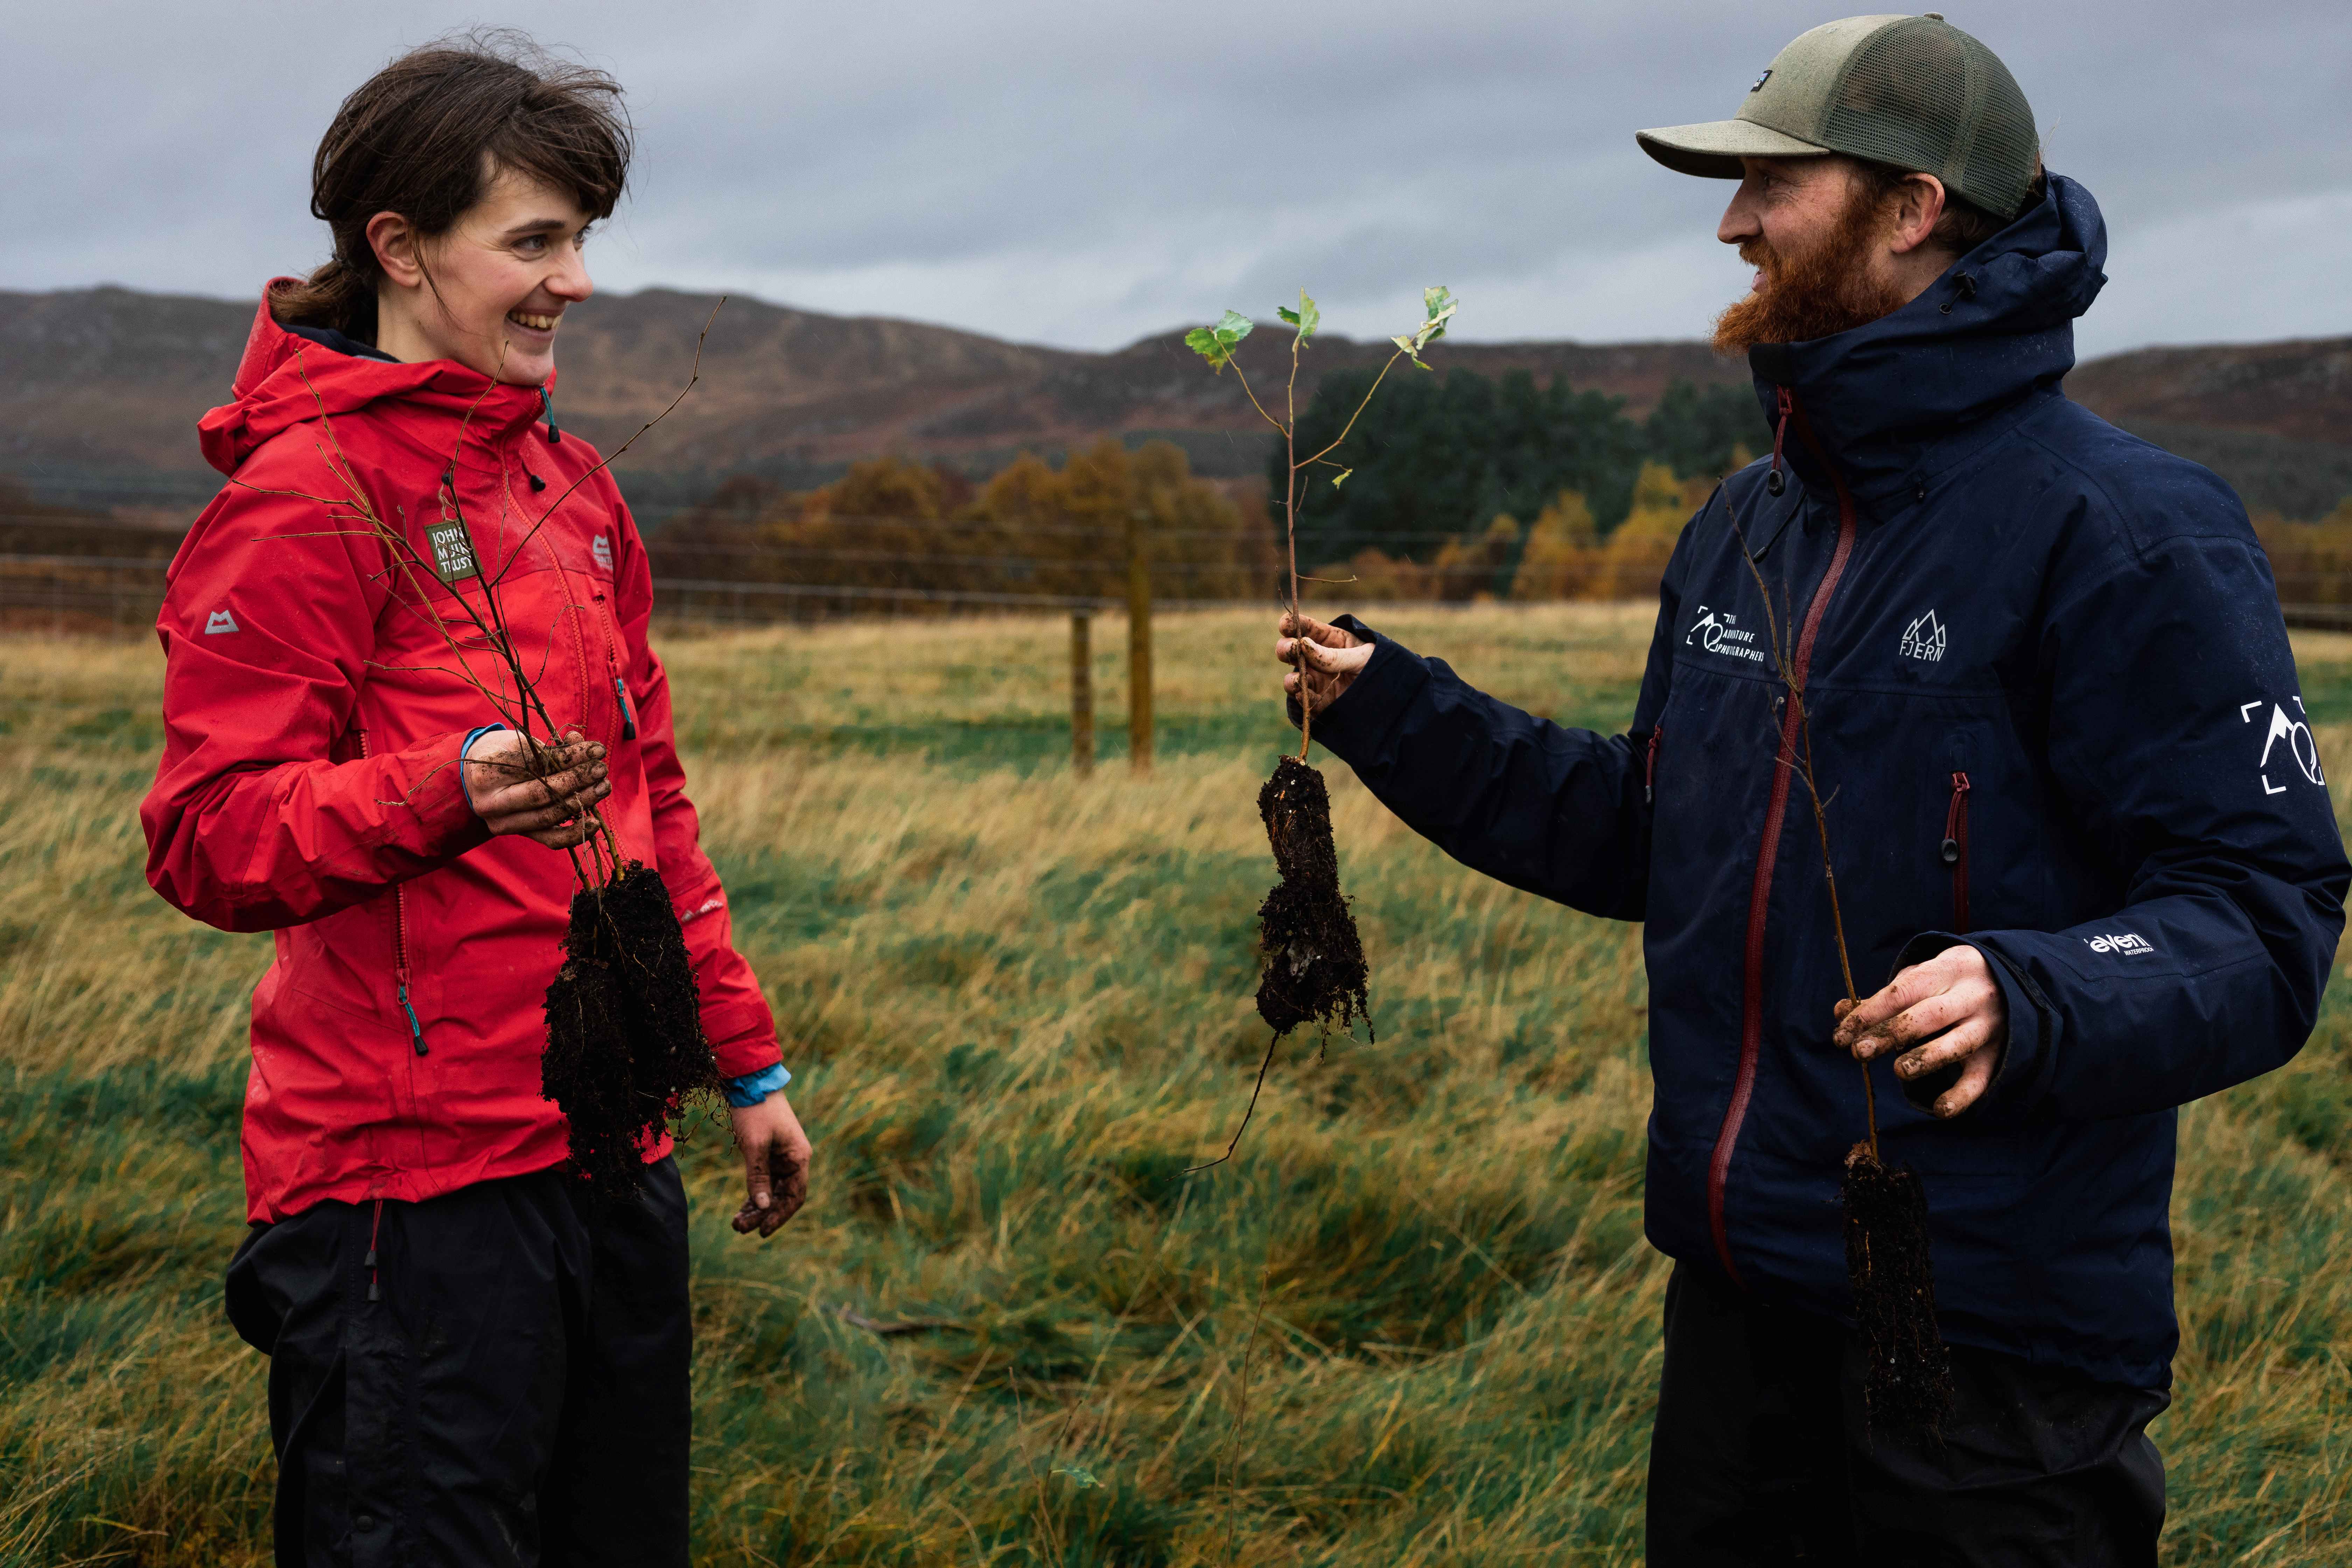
(471,1361)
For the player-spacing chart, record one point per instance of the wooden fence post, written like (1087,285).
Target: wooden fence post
(1138,646)
(1082,695)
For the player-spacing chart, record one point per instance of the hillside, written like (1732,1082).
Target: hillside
(100,390)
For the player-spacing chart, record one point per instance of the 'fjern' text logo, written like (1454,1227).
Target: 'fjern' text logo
(1923,638)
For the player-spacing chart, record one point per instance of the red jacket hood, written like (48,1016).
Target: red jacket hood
(287,380)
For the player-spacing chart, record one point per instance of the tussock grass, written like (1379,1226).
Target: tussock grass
(1018,1004)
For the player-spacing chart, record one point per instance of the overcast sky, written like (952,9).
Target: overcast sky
(1083,173)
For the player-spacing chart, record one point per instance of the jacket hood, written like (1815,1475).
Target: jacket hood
(1997,326)
(287,380)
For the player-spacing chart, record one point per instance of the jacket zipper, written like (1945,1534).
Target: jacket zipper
(1650,767)
(1776,811)
(1956,852)
(400,949)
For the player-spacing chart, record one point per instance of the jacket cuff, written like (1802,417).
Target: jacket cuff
(742,1037)
(1373,700)
(2031,1026)
(446,822)
(752,1087)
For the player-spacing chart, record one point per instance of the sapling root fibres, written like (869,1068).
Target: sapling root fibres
(1312,964)
(626,1053)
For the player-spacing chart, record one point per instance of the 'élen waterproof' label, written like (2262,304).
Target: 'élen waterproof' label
(453,552)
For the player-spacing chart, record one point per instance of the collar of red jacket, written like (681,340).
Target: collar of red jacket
(286,379)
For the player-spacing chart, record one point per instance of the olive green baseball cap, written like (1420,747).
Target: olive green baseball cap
(1913,91)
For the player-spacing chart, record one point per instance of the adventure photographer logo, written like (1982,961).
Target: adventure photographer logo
(1923,638)
(2124,943)
(1720,631)
(2299,746)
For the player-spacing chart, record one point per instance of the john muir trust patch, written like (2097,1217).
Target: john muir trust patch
(453,551)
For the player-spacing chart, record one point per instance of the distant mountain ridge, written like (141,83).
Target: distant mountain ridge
(100,389)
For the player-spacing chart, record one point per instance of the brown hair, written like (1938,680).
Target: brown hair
(1964,226)
(424,136)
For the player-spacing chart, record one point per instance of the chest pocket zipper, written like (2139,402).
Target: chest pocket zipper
(1955,851)
(400,949)
(620,685)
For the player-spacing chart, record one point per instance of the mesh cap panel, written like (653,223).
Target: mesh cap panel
(1922,95)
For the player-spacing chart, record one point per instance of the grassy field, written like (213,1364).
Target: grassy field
(1018,1004)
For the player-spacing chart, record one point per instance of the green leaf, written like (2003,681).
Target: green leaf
(1341,478)
(1411,347)
(1308,317)
(1287,314)
(1079,1476)
(1204,342)
(1231,328)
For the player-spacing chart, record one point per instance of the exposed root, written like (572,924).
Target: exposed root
(1908,1386)
(626,1049)
(1315,966)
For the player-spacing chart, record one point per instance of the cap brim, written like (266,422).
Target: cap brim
(1713,151)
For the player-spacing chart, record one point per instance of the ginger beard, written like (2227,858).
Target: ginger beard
(1817,292)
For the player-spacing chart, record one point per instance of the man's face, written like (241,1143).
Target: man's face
(1820,246)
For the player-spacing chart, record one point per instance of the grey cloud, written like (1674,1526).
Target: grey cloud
(1083,173)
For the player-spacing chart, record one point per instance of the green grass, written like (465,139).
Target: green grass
(1018,1005)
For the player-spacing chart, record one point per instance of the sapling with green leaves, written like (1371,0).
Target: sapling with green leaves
(1313,959)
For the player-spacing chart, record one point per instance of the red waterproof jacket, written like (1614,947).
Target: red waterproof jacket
(316,697)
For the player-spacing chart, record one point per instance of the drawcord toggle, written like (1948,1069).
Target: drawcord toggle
(547,406)
(1775,482)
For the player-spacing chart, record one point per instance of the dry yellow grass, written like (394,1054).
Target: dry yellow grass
(1017,1002)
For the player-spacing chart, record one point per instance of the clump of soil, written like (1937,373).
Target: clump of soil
(1907,1385)
(1315,966)
(624,1044)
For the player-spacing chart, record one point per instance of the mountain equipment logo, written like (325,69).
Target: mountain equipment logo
(1923,638)
(2126,943)
(1719,631)
(219,621)
(2299,745)
(602,549)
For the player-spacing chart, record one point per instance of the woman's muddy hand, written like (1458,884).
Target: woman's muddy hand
(1333,658)
(543,797)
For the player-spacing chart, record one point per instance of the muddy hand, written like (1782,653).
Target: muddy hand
(1934,1015)
(775,1164)
(543,798)
(1334,658)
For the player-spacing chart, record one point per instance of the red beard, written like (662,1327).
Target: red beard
(1815,293)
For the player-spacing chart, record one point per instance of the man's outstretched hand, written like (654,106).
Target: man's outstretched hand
(775,1164)
(1946,1010)
(1334,658)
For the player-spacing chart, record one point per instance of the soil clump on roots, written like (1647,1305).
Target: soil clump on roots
(1315,966)
(626,1049)
(1908,1386)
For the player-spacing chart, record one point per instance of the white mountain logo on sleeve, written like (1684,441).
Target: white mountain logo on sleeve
(219,621)
(1923,638)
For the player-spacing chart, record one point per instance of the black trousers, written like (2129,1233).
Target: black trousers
(1761,1456)
(498,1376)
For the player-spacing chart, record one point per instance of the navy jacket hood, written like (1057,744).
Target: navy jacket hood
(1996,327)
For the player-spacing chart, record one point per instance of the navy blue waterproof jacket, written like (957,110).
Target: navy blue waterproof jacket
(2053,705)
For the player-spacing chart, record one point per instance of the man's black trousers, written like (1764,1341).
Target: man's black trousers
(1761,1454)
(498,1376)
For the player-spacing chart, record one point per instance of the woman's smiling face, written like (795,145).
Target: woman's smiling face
(491,293)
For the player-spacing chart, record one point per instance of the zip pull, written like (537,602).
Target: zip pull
(547,406)
(628,718)
(416,1029)
(1955,851)
(1650,767)
(536,482)
(1775,481)
(375,1226)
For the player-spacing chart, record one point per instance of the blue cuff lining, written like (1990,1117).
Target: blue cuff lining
(755,1087)
(465,746)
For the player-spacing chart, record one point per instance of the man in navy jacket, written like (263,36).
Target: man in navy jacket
(2079,829)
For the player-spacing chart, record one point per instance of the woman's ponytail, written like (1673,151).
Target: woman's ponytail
(337,296)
